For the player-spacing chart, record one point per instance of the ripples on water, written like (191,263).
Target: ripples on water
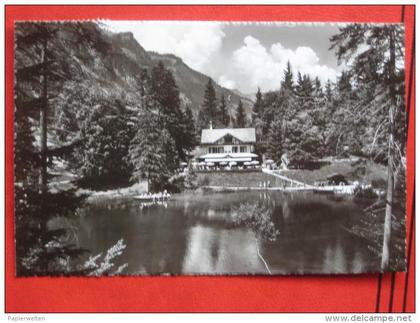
(197,234)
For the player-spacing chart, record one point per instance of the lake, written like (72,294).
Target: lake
(195,234)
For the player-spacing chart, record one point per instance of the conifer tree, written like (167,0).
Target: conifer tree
(328,91)
(257,107)
(318,91)
(24,149)
(223,111)
(152,152)
(190,133)
(208,109)
(240,116)
(275,139)
(288,78)
(166,93)
(379,60)
(105,141)
(40,71)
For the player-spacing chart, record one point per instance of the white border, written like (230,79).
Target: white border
(204,318)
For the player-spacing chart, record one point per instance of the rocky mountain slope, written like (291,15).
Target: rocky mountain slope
(191,83)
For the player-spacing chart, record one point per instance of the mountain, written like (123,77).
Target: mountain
(190,82)
(106,71)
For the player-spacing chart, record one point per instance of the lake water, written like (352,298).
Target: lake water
(195,234)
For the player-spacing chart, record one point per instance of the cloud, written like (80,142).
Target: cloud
(227,83)
(202,46)
(195,42)
(254,66)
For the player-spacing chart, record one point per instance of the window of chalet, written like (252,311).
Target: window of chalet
(228,140)
(243,149)
(234,149)
(216,150)
(235,141)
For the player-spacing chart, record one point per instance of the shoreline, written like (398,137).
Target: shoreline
(339,190)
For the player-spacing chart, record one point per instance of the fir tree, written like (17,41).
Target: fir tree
(24,150)
(270,109)
(288,78)
(318,91)
(344,85)
(105,140)
(223,111)
(190,133)
(328,91)
(304,89)
(208,110)
(41,69)
(257,107)
(240,116)
(152,153)
(275,139)
(379,61)
(166,93)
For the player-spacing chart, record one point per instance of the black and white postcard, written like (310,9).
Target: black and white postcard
(209,148)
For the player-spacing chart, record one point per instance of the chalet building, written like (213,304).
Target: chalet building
(228,146)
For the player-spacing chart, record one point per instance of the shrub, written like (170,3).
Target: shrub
(378,183)
(365,193)
(258,218)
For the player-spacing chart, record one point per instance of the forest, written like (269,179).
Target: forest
(80,102)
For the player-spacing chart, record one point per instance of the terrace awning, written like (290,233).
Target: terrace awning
(226,158)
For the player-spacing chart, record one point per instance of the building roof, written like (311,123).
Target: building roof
(209,136)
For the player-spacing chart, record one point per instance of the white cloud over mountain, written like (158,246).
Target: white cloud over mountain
(244,67)
(195,43)
(227,83)
(254,66)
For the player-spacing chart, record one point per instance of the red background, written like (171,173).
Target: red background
(358,293)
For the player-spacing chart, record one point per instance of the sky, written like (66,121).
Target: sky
(241,56)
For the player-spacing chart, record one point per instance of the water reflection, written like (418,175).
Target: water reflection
(220,251)
(197,234)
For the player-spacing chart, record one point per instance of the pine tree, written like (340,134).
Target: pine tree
(105,142)
(144,83)
(240,116)
(208,110)
(344,85)
(257,107)
(152,153)
(275,139)
(41,69)
(24,149)
(223,111)
(318,91)
(379,50)
(304,90)
(288,78)
(190,134)
(166,93)
(328,91)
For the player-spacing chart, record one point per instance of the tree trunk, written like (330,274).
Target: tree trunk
(390,183)
(389,196)
(43,185)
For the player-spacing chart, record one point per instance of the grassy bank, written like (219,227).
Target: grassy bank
(237,179)
(364,171)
